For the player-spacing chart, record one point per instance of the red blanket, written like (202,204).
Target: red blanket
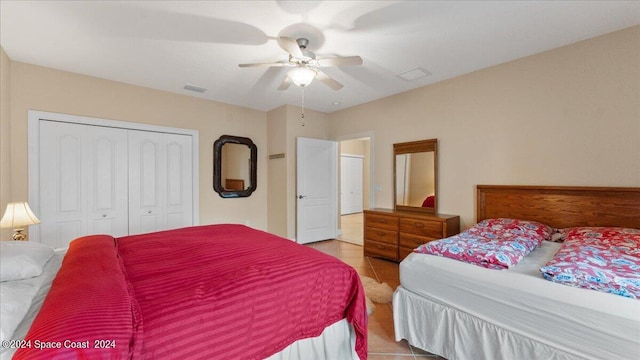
(213,292)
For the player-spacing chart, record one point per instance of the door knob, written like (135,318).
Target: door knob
(301,196)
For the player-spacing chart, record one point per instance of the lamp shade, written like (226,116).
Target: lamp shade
(302,76)
(18,214)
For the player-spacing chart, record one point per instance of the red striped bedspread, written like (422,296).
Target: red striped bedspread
(210,292)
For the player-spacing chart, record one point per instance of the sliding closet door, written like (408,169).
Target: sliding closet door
(160,181)
(83,186)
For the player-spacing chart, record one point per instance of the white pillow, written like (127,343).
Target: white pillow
(15,300)
(22,259)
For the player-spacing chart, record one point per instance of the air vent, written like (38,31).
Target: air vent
(194,88)
(414,74)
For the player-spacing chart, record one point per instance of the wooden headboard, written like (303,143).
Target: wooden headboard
(561,206)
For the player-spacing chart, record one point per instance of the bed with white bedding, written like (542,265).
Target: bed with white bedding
(463,311)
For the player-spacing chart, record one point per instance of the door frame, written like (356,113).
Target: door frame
(341,177)
(370,135)
(33,157)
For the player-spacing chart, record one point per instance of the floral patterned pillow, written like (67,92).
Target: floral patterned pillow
(531,228)
(606,235)
(493,243)
(598,258)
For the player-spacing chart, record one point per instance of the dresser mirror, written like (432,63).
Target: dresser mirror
(415,166)
(234,166)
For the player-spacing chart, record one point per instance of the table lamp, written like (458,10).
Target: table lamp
(17,216)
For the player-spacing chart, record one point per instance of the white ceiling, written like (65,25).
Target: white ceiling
(167,44)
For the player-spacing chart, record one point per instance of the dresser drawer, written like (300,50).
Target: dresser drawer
(381,222)
(383,250)
(421,227)
(413,241)
(381,235)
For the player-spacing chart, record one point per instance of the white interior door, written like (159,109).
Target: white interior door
(351,184)
(317,193)
(84,182)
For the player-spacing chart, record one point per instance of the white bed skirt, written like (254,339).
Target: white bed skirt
(456,335)
(337,341)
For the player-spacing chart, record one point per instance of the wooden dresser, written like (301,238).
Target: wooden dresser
(393,235)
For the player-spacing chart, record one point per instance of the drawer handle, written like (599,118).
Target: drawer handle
(418,225)
(381,233)
(382,221)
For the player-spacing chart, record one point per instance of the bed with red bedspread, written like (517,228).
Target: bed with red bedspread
(212,292)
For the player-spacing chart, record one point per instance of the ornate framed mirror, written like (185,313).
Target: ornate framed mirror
(415,176)
(235,162)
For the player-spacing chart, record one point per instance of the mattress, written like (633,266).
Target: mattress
(517,303)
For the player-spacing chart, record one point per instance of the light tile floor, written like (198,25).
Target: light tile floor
(382,344)
(352,226)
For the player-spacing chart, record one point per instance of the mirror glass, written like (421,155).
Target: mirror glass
(234,166)
(415,169)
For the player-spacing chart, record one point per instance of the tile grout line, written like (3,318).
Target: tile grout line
(372,268)
(394,354)
(412,354)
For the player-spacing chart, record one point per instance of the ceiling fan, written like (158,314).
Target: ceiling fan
(305,66)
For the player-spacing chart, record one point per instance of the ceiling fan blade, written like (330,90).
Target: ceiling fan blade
(329,81)
(276,64)
(290,46)
(340,61)
(285,84)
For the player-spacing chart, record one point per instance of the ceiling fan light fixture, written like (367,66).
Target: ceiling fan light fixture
(302,76)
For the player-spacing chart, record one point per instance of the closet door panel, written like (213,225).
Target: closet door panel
(179,185)
(149,174)
(146,181)
(68,150)
(61,215)
(108,210)
(83,182)
(160,182)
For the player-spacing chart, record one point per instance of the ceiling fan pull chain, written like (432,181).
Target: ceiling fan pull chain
(302,115)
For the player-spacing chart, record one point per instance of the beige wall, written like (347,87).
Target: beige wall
(277,171)
(570,116)
(45,89)
(285,125)
(5,138)
(352,147)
